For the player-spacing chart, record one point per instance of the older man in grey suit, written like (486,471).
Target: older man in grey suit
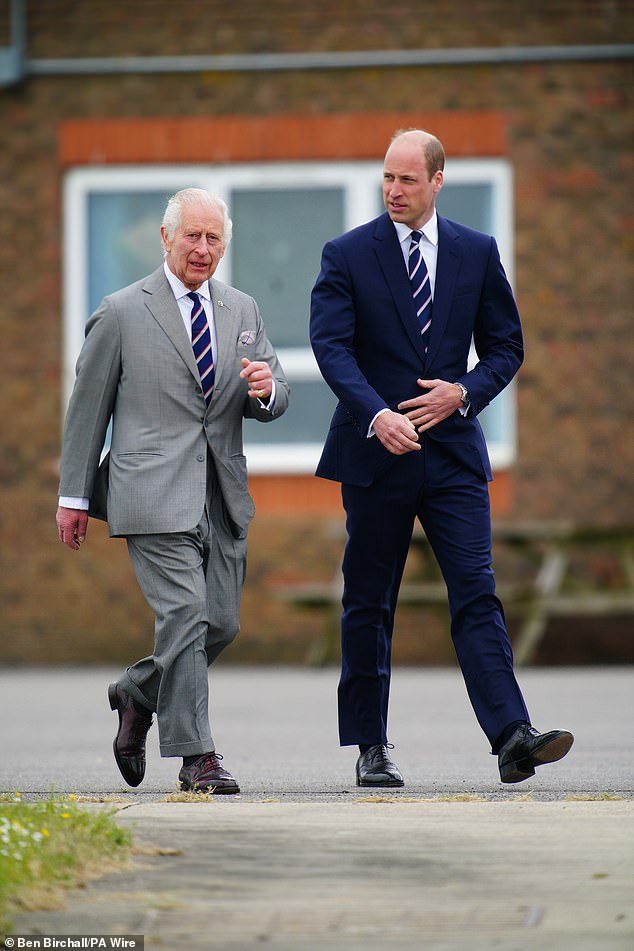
(177,360)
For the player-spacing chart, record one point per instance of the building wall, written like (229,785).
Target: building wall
(567,131)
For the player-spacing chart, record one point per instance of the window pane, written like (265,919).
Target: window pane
(494,419)
(275,253)
(469,204)
(305,421)
(124,241)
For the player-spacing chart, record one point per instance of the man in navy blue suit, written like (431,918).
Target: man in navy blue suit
(393,312)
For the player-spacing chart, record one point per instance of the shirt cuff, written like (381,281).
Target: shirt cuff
(371,426)
(69,502)
(271,400)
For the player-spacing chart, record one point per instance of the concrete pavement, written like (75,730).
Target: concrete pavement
(304,860)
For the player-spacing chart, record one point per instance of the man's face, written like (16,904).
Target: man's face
(408,195)
(197,245)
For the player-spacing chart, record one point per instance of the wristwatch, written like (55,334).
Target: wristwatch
(466,402)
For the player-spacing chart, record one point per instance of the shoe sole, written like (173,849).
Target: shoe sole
(554,750)
(388,783)
(516,771)
(112,698)
(213,790)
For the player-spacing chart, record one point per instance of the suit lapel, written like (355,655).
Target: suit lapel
(392,264)
(226,329)
(447,267)
(162,304)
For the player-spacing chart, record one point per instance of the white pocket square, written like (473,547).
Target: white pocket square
(247,338)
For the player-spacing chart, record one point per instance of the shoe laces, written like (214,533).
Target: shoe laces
(139,730)
(381,754)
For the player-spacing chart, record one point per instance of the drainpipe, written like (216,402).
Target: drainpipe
(12,57)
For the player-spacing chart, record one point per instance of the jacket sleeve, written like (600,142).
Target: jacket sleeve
(264,351)
(332,335)
(91,403)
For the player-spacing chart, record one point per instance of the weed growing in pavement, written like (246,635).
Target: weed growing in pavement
(591,797)
(189,795)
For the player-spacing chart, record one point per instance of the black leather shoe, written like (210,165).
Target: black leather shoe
(207,775)
(129,743)
(375,768)
(527,749)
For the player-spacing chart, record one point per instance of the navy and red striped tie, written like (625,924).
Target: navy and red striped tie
(201,344)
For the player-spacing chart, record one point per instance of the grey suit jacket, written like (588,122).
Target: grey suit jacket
(137,366)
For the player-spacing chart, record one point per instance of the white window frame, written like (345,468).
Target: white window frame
(360,181)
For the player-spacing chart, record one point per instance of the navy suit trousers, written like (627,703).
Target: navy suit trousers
(453,508)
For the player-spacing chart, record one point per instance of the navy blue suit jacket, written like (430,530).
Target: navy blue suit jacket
(366,340)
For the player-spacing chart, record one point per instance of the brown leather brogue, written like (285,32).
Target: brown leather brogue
(207,775)
(129,743)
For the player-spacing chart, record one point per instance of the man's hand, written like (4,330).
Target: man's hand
(259,377)
(72,525)
(396,432)
(431,408)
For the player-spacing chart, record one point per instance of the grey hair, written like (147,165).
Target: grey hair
(195,196)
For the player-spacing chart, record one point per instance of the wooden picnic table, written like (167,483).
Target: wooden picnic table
(547,548)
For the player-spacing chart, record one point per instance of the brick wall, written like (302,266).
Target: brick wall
(568,132)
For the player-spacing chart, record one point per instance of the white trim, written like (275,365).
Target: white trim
(299,363)
(361,182)
(283,459)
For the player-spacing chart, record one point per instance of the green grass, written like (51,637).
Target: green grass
(49,846)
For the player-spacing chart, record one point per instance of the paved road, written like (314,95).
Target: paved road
(277,730)
(300,861)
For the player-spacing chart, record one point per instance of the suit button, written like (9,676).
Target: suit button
(200,458)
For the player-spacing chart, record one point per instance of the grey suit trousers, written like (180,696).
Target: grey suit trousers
(193,583)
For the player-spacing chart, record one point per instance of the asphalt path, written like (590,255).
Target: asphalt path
(277,730)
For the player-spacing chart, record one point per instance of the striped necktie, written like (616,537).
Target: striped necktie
(421,286)
(201,345)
